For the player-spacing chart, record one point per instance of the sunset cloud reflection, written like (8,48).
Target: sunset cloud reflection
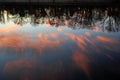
(54,54)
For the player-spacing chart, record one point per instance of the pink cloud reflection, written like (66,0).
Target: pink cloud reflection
(81,62)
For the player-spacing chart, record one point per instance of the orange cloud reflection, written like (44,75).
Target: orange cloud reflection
(9,28)
(59,29)
(78,39)
(88,34)
(19,40)
(21,68)
(81,61)
(104,39)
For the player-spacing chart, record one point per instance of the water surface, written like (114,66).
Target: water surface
(47,52)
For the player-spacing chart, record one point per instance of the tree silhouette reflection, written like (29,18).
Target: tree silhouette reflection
(77,18)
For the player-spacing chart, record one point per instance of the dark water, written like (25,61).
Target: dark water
(45,52)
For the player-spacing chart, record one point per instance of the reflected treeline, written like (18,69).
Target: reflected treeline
(76,18)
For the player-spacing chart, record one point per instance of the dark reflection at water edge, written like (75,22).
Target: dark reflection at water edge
(106,19)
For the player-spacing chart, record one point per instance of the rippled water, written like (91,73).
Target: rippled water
(45,52)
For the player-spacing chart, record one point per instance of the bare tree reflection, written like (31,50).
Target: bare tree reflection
(77,18)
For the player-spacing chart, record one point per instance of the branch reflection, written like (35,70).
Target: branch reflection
(106,19)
